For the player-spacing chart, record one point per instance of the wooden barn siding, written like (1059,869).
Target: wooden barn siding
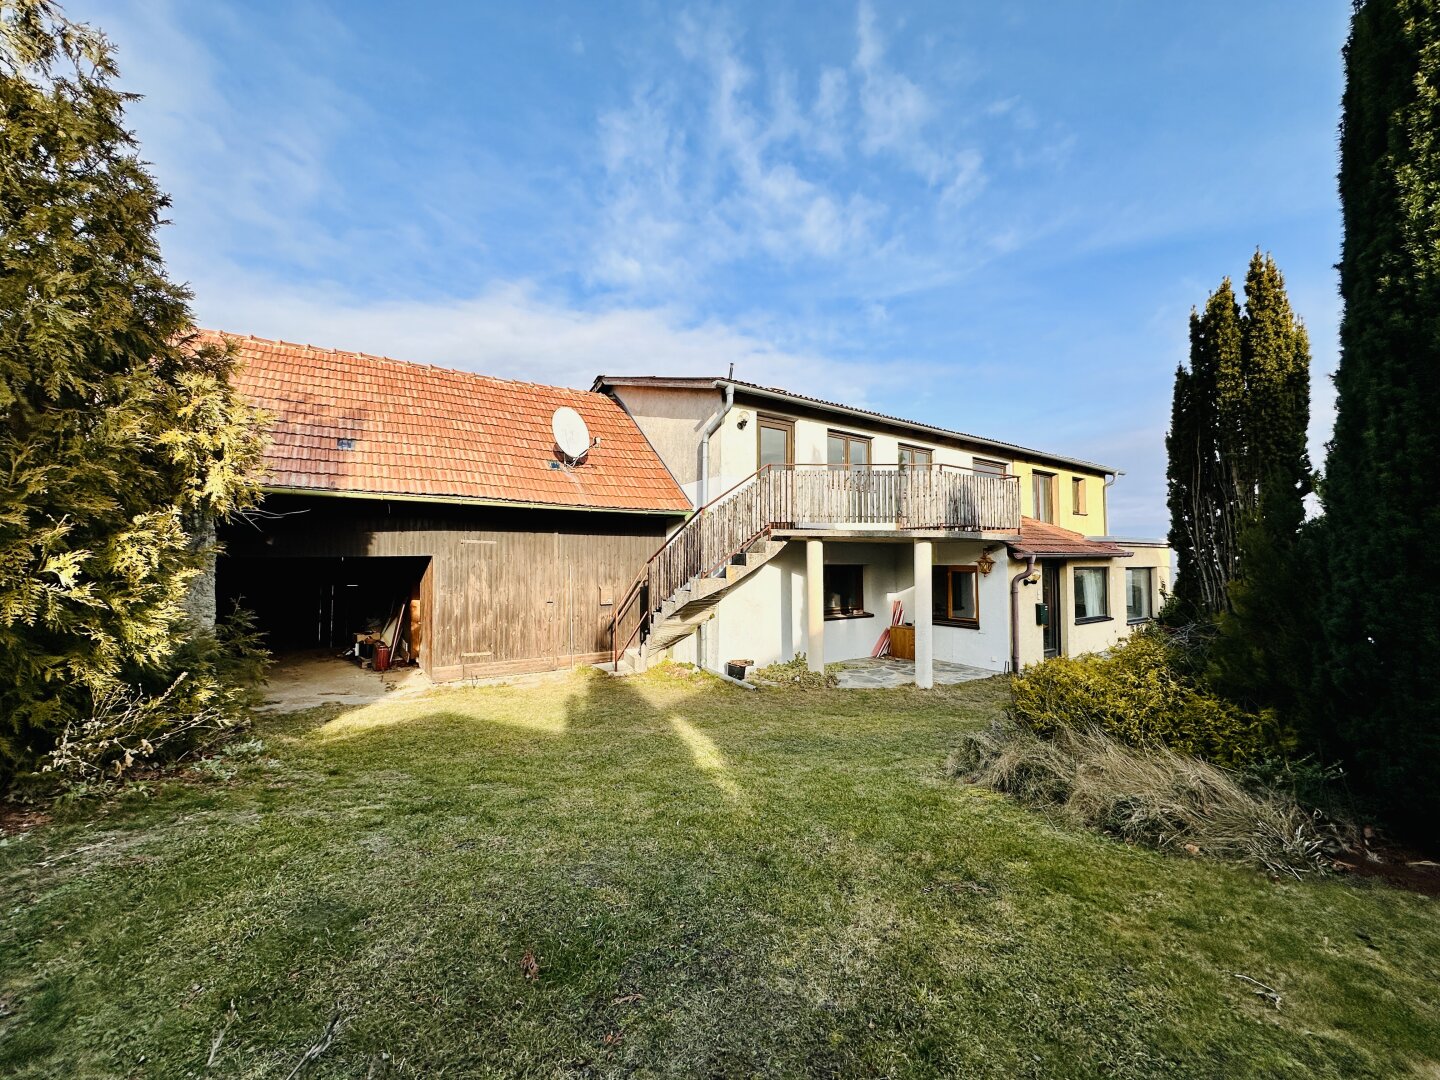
(508,590)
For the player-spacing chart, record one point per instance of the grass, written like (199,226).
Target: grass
(711,880)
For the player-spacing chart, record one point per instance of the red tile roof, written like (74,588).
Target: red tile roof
(1043,539)
(420,430)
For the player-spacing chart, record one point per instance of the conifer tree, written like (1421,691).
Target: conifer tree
(116,436)
(1198,521)
(1237,439)
(1263,655)
(1380,667)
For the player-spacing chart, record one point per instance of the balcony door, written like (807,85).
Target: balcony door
(776,447)
(850,495)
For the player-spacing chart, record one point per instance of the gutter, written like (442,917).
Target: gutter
(460,500)
(1015,583)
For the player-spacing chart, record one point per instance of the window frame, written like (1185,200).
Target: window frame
(908,448)
(849,438)
(1051,509)
(984,466)
(857,612)
(1079,497)
(774,423)
(1149,572)
(945,574)
(1104,572)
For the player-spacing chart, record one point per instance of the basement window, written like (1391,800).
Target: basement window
(845,592)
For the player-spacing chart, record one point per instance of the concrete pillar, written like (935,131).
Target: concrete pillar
(815,605)
(924,623)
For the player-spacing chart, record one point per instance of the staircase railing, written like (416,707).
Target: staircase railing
(813,496)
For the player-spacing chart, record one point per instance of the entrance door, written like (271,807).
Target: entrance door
(1050,596)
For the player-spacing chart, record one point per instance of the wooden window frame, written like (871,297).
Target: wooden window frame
(859,612)
(976,464)
(907,448)
(763,421)
(946,573)
(1075,573)
(1051,509)
(1078,497)
(849,437)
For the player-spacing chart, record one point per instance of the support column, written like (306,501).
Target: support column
(924,623)
(815,605)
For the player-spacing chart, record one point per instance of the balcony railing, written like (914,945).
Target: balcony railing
(814,497)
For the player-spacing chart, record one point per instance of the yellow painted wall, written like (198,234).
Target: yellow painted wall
(1091,523)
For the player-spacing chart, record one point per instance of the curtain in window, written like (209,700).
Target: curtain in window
(1089,592)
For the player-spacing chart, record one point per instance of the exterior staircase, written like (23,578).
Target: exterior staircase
(727,540)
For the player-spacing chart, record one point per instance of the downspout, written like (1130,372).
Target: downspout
(711,426)
(1015,583)
(702,496)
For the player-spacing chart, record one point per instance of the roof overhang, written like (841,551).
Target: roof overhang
(461,500)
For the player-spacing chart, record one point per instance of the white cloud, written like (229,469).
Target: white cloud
(512,332)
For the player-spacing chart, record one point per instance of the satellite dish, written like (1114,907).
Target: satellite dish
(571,434)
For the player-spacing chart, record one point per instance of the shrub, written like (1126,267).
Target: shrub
(1139,693)
(796,673)
(1152,796)
(168,715)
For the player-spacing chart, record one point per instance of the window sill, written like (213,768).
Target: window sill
(1140,621)
(1094,619)
(963,624)
(834,616)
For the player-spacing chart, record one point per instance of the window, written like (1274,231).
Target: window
(991,468)
(1092,593)
(915,455)
(954,598)
(1077,494)
(844,591)
(1139,593)
(1043,489)
(847,451)
(777,441)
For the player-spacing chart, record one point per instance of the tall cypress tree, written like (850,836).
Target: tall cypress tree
(116,438)
(1237,437)
(1199,523)
(1263,655)
(1381,532)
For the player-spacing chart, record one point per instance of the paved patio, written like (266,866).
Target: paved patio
(886,672)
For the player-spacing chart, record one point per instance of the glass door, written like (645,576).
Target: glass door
(1050,597)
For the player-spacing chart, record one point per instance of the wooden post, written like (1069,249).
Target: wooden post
(815,605)
(924,625)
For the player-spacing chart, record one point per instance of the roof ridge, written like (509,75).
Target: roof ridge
(407,363)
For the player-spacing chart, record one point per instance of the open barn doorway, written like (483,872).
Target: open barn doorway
(372,610)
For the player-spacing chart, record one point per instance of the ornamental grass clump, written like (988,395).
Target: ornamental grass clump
(1151,795)
(1139,692)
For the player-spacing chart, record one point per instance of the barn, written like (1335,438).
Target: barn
(431,511)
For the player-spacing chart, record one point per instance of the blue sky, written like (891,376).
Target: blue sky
(994,217)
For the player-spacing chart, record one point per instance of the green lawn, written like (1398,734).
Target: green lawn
(711,881)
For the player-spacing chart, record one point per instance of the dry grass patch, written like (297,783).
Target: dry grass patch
(1151,795)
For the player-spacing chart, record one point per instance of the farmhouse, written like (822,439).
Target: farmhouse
(431,514)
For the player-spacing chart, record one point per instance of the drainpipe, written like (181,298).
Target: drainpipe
(1015,612)
(711,426)
(702,496)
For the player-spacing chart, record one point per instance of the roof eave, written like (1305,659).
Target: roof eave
(467,500)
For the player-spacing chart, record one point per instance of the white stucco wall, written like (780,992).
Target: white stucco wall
(763,617)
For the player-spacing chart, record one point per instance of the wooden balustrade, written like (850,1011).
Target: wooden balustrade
(820,497)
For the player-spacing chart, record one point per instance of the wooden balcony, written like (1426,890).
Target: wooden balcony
(803,498)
